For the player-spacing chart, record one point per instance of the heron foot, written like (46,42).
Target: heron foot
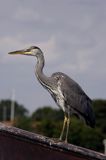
(57,139)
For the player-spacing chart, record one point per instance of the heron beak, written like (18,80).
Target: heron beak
(23,52)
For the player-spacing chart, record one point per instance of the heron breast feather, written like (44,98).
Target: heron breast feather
(58,96)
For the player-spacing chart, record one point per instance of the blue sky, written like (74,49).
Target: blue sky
(72,35)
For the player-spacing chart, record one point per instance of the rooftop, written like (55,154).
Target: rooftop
(18,144)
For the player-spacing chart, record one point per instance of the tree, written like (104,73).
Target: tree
(20,110)
(47,113)
(49,122)
(24,122)
(85,136)
(100,112)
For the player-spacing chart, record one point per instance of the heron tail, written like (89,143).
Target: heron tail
(90,116)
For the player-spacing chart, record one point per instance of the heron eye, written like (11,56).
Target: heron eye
(28,50)
(57,78)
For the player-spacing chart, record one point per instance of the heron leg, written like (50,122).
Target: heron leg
(68,123)
(64,124)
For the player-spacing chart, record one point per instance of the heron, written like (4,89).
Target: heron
(67,93)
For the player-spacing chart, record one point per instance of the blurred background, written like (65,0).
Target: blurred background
(72,35)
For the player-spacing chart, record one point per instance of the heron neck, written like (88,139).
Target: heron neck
(42,78)
(40,65)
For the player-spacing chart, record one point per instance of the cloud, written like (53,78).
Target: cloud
(71,35)
(26,15)
(5,47)
(49,48)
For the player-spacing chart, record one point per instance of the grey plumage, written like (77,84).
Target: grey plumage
(68,95)
(74,97)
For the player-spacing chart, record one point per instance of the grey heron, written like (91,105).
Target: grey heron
(67,94)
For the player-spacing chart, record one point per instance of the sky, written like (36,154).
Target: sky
(72,36)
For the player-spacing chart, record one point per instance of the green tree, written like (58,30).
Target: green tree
(49,122)
(100,112)
(84,136)
(24,122)
(47,113)
(20,110)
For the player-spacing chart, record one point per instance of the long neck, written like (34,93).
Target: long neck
(42,78)
(39,67)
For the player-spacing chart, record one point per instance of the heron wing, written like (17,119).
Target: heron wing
(77,99)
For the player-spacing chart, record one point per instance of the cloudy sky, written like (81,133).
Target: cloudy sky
(72,35)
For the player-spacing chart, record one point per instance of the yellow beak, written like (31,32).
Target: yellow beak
(23,52)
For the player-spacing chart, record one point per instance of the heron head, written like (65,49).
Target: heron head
(31,51)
